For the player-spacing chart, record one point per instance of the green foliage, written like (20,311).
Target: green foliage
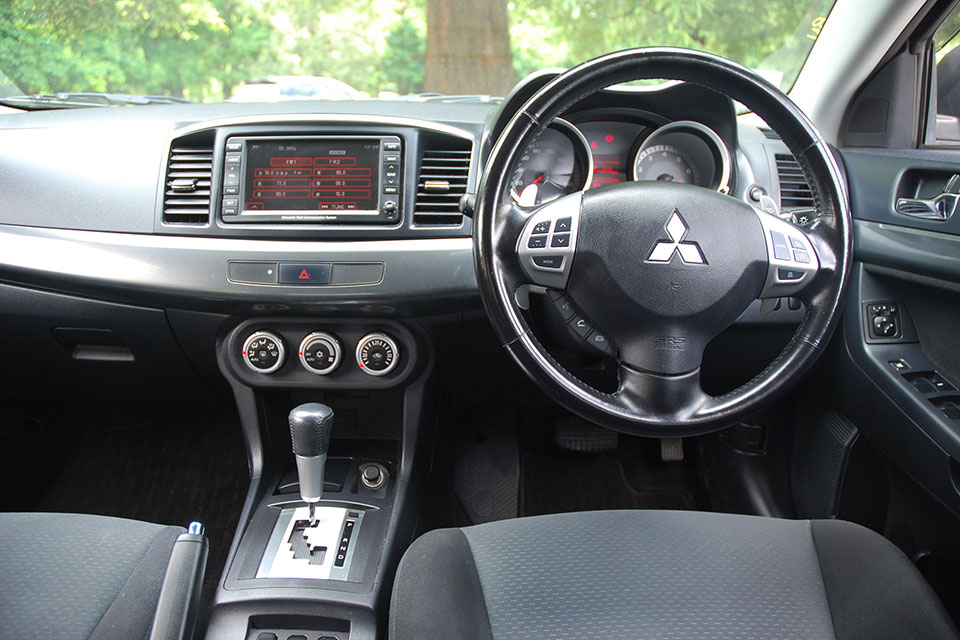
(191,49)
(403,62)
(202,49)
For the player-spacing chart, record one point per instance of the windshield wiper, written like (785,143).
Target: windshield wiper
(66,100)
(441,97)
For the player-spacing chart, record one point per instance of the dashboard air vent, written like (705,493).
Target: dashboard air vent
(794,191)
(441,183)
(186,195)
(769,133)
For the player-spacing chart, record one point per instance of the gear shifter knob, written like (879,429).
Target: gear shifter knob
(310,427)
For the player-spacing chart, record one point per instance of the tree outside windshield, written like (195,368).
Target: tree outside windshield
(252,50)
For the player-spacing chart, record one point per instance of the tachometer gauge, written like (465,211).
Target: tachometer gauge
(665,163)
(556,163)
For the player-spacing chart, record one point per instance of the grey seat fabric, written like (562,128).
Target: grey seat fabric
(77,577)
(664,575)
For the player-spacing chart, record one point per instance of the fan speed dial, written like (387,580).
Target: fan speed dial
(377,354)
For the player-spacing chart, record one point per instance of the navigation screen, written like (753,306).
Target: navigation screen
(327,174)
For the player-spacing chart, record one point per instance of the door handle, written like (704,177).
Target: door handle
(940,208)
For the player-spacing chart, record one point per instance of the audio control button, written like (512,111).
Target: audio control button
(263,352)
(377,354)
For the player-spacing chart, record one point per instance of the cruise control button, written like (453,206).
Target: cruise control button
(789,274)
(542,227)
(780,249)
(548,262)
(801,256)
(537,242)
(560,240)
(304,273)
(563,224)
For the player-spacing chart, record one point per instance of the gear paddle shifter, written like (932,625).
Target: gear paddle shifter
(310,427)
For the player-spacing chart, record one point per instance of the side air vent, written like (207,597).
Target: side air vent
(441,183)
(769,133)
(794,191)
(186,196)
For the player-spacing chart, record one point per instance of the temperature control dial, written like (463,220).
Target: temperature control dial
(320,353)
(377,354)
(264,352)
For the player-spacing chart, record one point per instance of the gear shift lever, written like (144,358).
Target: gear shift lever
(310,427)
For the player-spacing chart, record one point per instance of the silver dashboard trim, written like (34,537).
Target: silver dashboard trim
(322,118)
(196,267)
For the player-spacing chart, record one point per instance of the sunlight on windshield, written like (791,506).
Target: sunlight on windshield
(260,50)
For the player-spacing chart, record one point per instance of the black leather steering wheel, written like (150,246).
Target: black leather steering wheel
(662,268)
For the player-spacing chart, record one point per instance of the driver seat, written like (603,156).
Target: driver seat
(664,575)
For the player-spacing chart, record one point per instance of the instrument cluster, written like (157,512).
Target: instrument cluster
(574,156)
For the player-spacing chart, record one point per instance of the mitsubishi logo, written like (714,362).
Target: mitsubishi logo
(664,249)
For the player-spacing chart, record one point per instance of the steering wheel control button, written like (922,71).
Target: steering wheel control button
(780,249)
(567,311)
(792,261)
(320,353)
(548,262)
(580,326)
(305,274)
(264,352)
(561,240)
(600,342)
(377,354)
(788,275)
(537,242)
(550,266)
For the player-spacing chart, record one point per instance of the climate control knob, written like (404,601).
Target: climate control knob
(377,354)
(264,352)
(320,353)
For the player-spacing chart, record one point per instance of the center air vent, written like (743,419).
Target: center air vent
(186,195)
(794,190)
(441,183)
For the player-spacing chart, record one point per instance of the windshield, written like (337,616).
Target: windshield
(269,50)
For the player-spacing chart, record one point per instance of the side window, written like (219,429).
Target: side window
(946,47)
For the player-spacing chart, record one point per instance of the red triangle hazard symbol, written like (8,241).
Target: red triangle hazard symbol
(304,275)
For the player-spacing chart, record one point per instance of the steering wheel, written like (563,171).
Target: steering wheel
(661,268)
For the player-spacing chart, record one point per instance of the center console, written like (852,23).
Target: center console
(290,573)
(343,220)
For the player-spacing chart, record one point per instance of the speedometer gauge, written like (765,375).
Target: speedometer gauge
(556,163)
(665,163)
(687,152)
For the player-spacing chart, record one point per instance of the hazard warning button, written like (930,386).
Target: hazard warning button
(305,273)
